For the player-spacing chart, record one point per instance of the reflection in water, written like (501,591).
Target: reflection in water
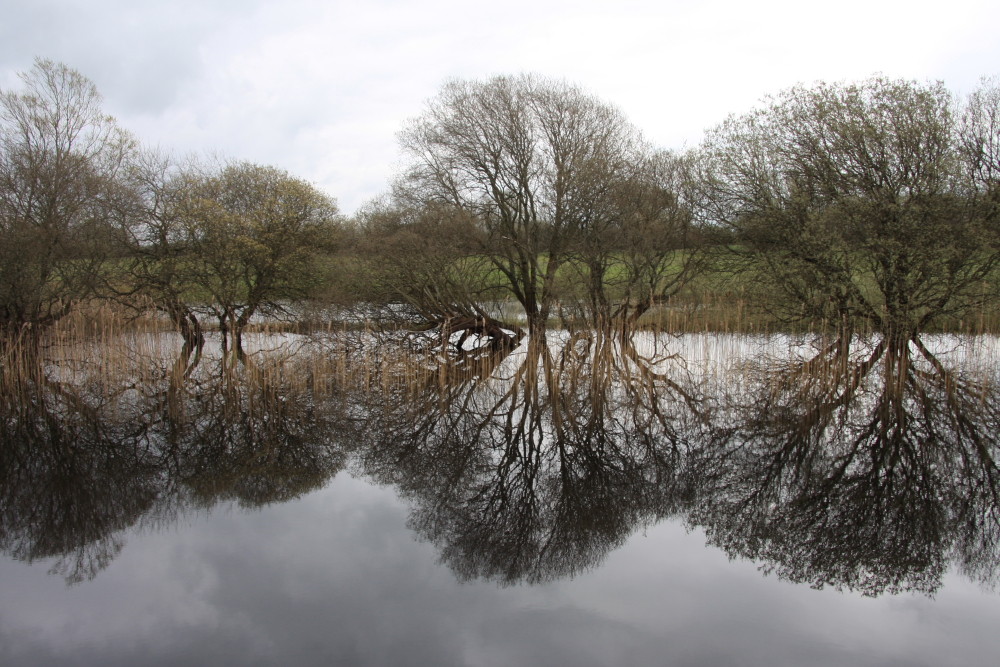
(83,459)
(538,464)
(253,438)
(71,479)
(867,465)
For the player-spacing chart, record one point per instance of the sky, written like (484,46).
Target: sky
(335,577)
(321,88)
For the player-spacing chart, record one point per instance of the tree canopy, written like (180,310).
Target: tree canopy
(533,161)
(858,203)
(60,162)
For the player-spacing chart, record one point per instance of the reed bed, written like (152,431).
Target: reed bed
(114,352)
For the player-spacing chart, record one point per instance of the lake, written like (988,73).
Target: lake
(584,500)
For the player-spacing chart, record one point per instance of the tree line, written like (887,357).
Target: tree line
(870,205)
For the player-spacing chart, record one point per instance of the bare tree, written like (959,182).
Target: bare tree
(642,250)
(979,133)
(60,162)
(427,257)
(532,161)
(158,257)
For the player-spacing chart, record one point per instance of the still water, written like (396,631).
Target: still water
(700,500)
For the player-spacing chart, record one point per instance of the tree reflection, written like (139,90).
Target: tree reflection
(84,458)
(249,435)
(72,479)
(536,464)
(865,464)
(868,466)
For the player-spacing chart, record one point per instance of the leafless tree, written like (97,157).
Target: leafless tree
(60,162)
(642,251)
(428,258)
(979,133)
(533,162)
(157,263)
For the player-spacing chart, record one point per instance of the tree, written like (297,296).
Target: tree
(428,257)
(643,249)
(60,162)
(254,234)
(158,250)
(979,136)
(853,203)
(532,161)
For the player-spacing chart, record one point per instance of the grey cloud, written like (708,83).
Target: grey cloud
(139,54)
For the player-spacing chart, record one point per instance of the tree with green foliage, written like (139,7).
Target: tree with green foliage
(253,234)
(854,203)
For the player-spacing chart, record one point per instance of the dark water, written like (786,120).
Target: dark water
(677,501)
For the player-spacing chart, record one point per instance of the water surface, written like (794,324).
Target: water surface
(692,501)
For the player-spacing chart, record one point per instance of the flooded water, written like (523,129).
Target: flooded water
(587,500)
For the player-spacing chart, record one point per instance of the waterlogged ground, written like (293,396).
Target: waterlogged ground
(701,500)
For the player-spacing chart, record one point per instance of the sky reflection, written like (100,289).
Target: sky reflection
(326,532)
(336,577)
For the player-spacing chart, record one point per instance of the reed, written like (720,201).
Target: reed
(115,352)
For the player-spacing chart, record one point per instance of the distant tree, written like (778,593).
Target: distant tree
(533,162)
(979,133)
(414,255)
(428,257)
(854,203)
(644,247)
(60,162)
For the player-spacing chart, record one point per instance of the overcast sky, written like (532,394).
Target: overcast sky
(320,87)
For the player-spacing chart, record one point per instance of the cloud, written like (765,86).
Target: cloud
(335,577)
(320,88)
